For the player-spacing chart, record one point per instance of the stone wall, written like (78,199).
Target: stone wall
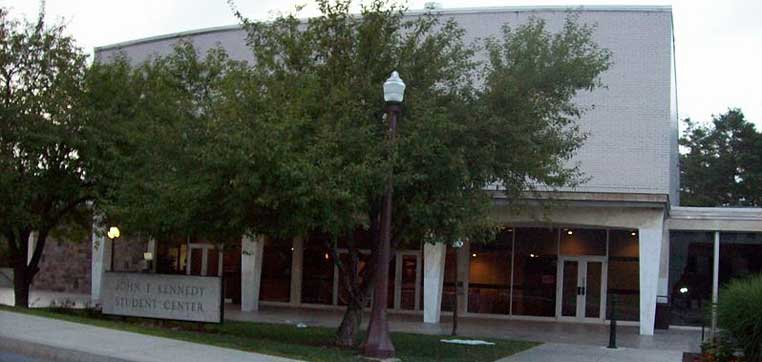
(64,267)
(128,254)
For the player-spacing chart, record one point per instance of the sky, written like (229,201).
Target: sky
(718,43)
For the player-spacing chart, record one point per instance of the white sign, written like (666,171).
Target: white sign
(164,296)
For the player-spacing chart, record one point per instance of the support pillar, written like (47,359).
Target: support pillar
(297,265)
(100,261)
(31,244)
(251,272)
(664,264)
(152,248)
(433,279)
(650,247)
(715,284)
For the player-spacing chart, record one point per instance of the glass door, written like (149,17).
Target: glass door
(581,291)
(204,260)
(409,280)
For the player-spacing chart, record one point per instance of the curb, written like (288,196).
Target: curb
(39,350)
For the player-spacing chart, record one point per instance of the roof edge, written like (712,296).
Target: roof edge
(181,34)
(449,11)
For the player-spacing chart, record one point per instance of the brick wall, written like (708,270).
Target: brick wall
(64,267)
(5,260)
(128,254)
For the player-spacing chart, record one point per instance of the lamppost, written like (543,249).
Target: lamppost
(457,244)
(378,344)
(113,234)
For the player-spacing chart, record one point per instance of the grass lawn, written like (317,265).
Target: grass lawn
(310,344)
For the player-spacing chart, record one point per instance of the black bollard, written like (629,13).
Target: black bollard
(612,329)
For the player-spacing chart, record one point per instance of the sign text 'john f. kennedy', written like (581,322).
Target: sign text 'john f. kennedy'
(180,297)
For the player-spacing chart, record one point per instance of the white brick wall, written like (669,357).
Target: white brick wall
(632,147)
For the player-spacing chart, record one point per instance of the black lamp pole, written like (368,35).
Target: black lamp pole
(378,343)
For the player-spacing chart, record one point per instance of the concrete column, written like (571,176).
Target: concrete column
(297,260)
(433,278)
(31,243)
(715,284)
(152,248)
(664,264)
(251,272)
(650,245)
(100,261)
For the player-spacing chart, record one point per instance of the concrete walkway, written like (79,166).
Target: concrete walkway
(557,352)
(44,298)
(58,340)
(595,335)
(570,342)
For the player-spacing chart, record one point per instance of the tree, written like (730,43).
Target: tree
(159,158)
(294,143)
(722,165)
(43,152)
(454,137)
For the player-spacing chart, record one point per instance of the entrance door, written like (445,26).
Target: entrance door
(408,277)
(204,259)
(582,288)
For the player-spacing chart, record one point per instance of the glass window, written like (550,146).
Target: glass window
(690,276)
(276,271)
(624,275)
(740,255)
(317,273)
(534,272)
(362,263)
(489,281)
(170,256)
(390,285)
(583,242)
(408,287)
(450,277)
(231,271)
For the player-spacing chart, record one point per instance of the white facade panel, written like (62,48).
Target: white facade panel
(631,124)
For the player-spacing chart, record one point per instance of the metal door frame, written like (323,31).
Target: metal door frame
(582,262)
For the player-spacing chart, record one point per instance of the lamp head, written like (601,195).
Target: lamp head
(113,232)
(394,88)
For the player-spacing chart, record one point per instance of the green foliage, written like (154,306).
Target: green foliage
(739,313)
(454,137)
(723,162)
(296,141)
(166,132)
(44,164)
(531,80)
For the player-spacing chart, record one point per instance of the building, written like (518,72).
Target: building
(621,238)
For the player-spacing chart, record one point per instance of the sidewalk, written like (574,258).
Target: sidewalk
(43,298)
(65,341)
(555,352)
(594,335)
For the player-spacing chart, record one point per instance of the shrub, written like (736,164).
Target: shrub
(740,314)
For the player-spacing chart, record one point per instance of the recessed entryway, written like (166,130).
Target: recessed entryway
(582,290)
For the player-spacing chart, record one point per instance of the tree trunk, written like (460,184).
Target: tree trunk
(21,282)
(24,269)
(347,334)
